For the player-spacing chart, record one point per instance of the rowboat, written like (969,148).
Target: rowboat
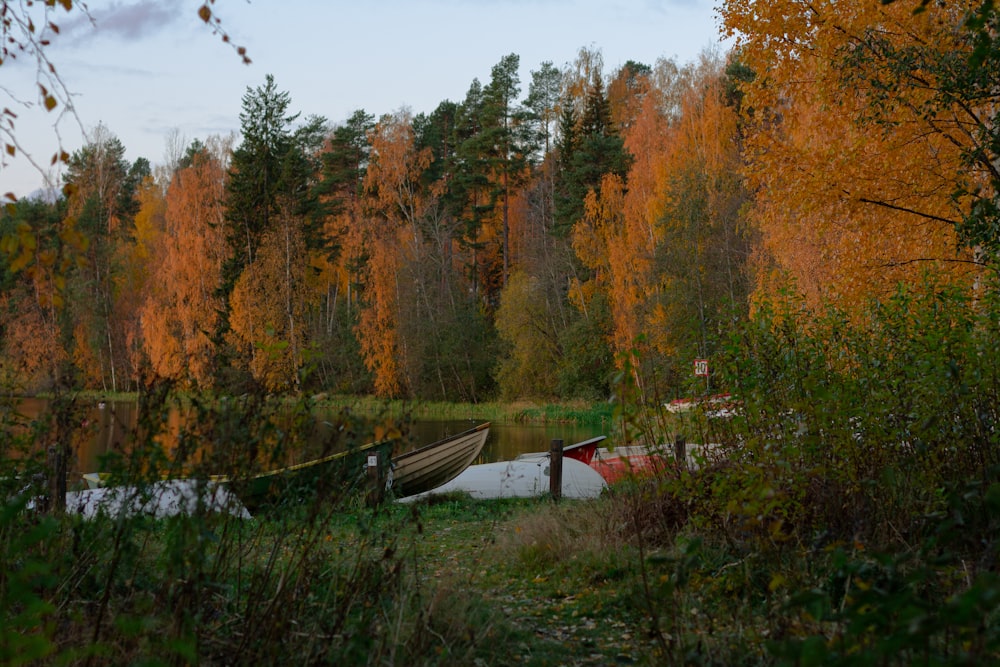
(611,464)
(170,497)
(629,461)
(718,405)
(583,451)
(323,476)
(268,488)
(437,463)
(408,473)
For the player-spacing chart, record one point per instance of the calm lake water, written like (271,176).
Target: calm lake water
(110,426)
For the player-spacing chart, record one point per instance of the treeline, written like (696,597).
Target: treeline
(507,245)
(528,243)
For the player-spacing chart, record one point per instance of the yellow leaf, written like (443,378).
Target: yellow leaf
(204,13)
(20,262)
(50,103)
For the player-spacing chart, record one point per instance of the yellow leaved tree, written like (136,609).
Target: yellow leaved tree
(858,161)
(182,311)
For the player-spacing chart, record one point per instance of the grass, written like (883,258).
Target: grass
(576,412)
(661,571)
(547,578)
(571,412)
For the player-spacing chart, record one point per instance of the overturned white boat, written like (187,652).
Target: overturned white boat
(158,500)
(522,478)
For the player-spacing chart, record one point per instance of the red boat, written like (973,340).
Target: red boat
(614,464)
(621,462)
(618,463)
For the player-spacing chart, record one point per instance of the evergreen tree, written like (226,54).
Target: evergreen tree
(256,172)
(566,208)
(471,181)
(344,163)
(588,150)
(504,143)
(543,101)
(102,188)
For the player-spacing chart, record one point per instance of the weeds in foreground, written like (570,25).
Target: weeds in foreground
(292,585)
(853,522)
(854,519)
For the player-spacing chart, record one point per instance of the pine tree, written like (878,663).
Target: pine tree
(256,172)
(589,149)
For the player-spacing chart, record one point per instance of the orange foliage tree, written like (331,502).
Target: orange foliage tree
(665,244)
(268,305)
(396,205)
(181,313)
(857,165)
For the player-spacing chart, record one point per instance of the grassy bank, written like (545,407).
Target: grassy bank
(573,412)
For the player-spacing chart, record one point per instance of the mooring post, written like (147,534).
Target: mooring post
(376,484)
(680,451)
(57,479)
(556,469)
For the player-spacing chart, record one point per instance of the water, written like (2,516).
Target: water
(108,427)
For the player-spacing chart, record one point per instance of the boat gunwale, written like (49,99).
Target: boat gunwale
(438,443)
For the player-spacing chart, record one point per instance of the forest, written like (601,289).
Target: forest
(536,239)
(814,212)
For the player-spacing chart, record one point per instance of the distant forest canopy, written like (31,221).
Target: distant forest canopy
(534,240)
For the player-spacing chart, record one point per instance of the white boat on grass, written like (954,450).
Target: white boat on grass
(157,500)
(522,478)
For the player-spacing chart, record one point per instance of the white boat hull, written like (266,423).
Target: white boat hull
(522,478)
(158,500)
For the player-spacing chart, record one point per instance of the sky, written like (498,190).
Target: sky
(150,69)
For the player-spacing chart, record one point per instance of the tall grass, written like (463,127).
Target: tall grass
(293,585)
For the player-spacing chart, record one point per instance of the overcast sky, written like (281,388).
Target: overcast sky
(146,67)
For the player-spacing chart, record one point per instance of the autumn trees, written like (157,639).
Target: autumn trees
(183,309)
(520,244)
(526,247)
(868,148)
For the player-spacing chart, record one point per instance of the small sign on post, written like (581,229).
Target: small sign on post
(375,485)
(701,368)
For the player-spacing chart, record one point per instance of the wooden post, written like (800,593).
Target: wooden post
(680,451)
(555,469)
(376,483)
(57,479)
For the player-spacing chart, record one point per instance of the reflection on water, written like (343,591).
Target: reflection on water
(108,427)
